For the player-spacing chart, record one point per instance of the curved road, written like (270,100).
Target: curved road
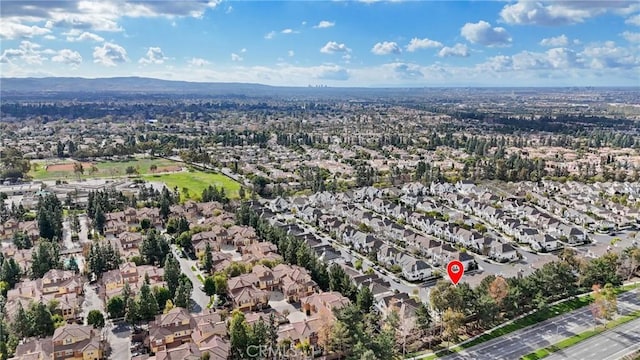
(519,343)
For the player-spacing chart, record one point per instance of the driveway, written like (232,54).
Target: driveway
(91,302)
(119,338)
(279,304)
(198,296)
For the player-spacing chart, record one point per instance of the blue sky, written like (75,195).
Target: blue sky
(335,43)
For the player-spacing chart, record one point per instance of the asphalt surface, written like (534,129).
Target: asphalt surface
(198,296)
(610,345)
(519,343)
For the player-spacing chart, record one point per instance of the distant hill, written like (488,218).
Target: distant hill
(81,88)
(121,84)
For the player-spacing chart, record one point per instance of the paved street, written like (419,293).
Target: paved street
(201,299)
(522,342)
(610,345)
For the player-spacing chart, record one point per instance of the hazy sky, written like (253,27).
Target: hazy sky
(336,43)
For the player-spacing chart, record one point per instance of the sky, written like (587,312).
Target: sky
(334,43)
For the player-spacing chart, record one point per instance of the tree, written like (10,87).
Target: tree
(49,217)
(40,320)
(45,258)
(171,274)
(220,280)
(364,299)
(602,270)
(498,290)
(153,168)
(116,307)
(209,286)
(168,306)
(238,333)
(183,293)
(162,296)
(99,219)
(78,169)
(21,240)
(452,321)
(207,258)
(132,316)
(95,318)
(423,318)
(130,170)
(147,303)
(605,304)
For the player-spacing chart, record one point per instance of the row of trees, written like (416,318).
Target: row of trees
(49,217)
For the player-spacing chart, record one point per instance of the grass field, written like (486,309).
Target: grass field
(105,169)
(195,181)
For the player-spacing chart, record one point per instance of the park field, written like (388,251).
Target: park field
(63,170)
(191,183)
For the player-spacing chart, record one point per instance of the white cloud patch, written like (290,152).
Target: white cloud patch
(78,35)
(290,53)
(27,52)
(236,57)
(386,48)
(633,20)
(35,17)
(14,30)
(632,37)
(199,62)
(609,55)
(68,56)
(482,33)
(333,47)
(154,56)
(109,54)
(417,44)
(289,31)
(562,12)
(557,41)
(459,50)
(270,35)
(324,24)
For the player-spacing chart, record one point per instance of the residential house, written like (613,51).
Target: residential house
(171,330)
(73,341)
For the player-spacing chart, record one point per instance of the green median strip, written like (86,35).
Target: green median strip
(531,319)
(568,342)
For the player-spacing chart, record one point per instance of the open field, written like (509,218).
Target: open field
(195,181)
(63,169)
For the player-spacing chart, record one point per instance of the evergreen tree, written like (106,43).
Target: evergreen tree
(147,303)
(183,293)
(207,258)
(172,274)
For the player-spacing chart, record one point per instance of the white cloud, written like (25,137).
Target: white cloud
(68,56)
(417,44)
(561,40)
(229,9)
(460,50)
(78,35)
(236,57)
(109,54)
(562,12)
(287,31)
(333,47)
(270,35)
(14,30)
(608,55)
(324,24)
(49,37)
(27,52)
(290,53)
(634,20)
(482,33)
(386,48)
(154,56)
(25,18)
(631,37)
(199,62)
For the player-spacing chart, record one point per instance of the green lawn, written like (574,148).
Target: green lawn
(105,168)
(195,181)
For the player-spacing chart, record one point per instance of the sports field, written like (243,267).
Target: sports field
(63,169)
(194,181)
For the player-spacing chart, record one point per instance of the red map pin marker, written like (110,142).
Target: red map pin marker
(455,269)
